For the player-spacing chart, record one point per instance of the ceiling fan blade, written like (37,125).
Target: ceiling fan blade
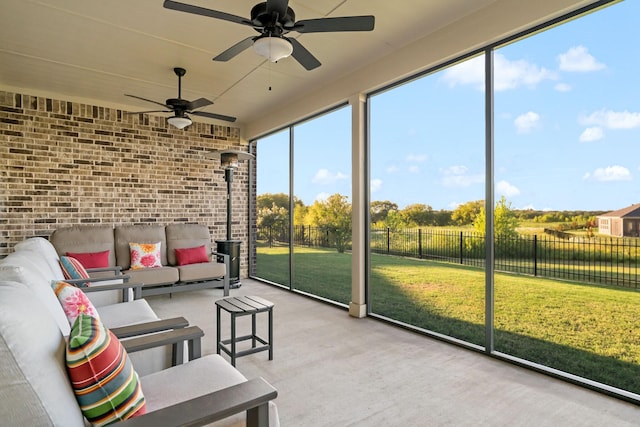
(234,50)
(213,116)
(198,103)
(150,111)
(148,100)
(328,25)
(278,6)
(196,10)
(303,56)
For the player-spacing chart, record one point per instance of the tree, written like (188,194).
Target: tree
(333,216)
(505,220)
(267,200)
(380,209)
(272,220)
(466,213)
(418,214)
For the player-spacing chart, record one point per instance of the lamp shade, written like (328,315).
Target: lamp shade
(179,122)
(273,48)
(229,158)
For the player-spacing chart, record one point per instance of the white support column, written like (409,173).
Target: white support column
(357,306)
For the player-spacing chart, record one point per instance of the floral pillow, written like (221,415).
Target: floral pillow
(145,255)
(74,302)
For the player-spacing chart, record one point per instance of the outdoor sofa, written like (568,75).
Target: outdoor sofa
(34,384)
(169,276)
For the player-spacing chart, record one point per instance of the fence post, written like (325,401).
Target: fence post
(461,248)
(388,239)
(420,243)
(535,254)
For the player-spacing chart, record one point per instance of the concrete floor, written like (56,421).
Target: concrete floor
(333,370)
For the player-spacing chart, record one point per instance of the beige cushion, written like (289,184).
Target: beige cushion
(46,252)
(202,271)
(22,267)
(85,238)
(193,379)
(126,234)
(153,276)
(34,387)
(181,236)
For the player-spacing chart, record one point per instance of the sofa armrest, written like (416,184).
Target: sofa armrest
(124,277)
(252,396)
(150,327)
(137,288)
(227,263)
(117,270)
(176,337)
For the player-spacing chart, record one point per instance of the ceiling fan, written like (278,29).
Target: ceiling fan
(180,106)
(273,19)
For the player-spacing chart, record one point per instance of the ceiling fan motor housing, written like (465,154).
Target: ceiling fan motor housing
(261,18)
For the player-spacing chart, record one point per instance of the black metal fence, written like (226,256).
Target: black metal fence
(610,261)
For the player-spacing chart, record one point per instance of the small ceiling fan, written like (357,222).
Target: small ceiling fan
(273,19)
(180,107)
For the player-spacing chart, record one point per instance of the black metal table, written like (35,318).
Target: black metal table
(243,306)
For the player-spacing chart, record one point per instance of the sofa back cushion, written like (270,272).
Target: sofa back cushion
(85,239)
(181,236)
(45,253)
(126,234)
(27,268)
(34,386)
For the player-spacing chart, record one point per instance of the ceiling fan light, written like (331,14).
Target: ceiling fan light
(179,122)
(273,48)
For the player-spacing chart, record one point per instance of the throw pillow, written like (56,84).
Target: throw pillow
(102,377)
(195,255)
(145,255)
(73,269)
(92,259)
(74,302)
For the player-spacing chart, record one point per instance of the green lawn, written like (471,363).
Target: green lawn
(586,330)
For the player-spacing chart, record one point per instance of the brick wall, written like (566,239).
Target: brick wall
(66,163)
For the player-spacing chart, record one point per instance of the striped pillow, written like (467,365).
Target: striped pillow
(72,269)
(105,384)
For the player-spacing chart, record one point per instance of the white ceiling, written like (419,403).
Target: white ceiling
(96,50)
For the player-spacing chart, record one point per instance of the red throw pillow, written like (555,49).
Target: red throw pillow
(92,259)
(192,255)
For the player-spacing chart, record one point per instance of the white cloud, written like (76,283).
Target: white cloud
(323,176)
(417,158)
(506,189)
(612,119)
(375,185)
(579,59)
(321,197)
(455,170)
(563,87)
(524,123)
(392,169)
(610,173)
(414,169)
(592,134)
(508,74)
(458,176)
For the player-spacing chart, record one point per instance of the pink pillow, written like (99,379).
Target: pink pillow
(195,255)
(92,259)
(145,255)
(73,301)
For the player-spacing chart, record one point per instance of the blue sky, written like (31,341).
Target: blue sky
(567,128)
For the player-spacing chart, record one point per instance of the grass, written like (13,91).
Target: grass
(586,330)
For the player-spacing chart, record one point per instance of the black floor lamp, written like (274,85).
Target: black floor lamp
(229,160)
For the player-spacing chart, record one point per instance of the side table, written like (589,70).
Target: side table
(243,306)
